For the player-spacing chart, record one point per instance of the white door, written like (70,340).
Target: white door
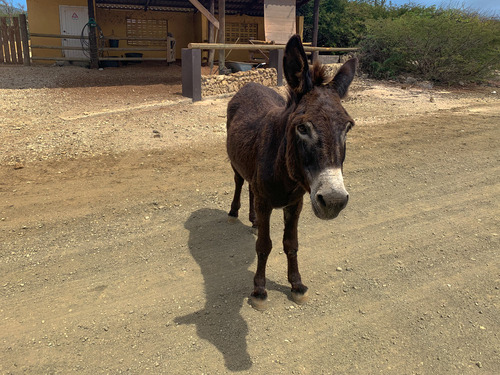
(73,20)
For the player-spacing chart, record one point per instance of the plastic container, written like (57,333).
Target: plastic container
(113,43)
(110,63)
(133,54)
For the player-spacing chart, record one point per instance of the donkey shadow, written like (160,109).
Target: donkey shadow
(224,252)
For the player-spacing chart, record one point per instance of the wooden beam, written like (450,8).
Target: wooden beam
(135,49)
(94,62)
(315,29)
(17,34)
(59,58)
(135,38)
(133,59)
(222,34)
(205,12)
(34,46)
(131,49)
(24,39)
(276,62)
(264,47)
(5,38)
(12,40)
(211,36)
(41,35)
(191,73)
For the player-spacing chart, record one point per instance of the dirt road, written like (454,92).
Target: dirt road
(116,255)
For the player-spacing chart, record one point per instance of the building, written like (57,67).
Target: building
(125,23)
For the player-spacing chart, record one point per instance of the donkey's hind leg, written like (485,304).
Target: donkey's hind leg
(236,204)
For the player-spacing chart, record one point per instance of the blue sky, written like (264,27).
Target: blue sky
(485,5)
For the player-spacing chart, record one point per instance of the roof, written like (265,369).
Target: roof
(248,7)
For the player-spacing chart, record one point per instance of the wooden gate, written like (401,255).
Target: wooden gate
(13,37)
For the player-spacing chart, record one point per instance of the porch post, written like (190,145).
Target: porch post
(276,62)
(222,35)
(315,54)
(94,61)
(211,35)
(191,73)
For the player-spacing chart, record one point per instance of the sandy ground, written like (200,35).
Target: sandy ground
(116,255)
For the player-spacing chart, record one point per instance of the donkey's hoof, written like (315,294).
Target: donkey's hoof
(232,219)
(300,298)
(255,230)
(258,304)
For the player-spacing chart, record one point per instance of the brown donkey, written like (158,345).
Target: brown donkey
(287,148)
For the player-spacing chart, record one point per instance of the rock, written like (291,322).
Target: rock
(426,85)
(411,80)
(18,165)
(217,84)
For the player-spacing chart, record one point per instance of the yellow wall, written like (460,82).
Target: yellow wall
(242,55)
(180,24)
(43,17)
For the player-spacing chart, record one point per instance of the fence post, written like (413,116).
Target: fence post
(276,62)
(24,39)
(191,73)
(94,58)
(5,38)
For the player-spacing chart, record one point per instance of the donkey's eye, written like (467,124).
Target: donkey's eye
(302,129)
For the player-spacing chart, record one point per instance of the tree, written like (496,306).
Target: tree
(445,45)
(342,23)
(8,9)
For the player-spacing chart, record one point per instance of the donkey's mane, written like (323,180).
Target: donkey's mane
(319,74)
(319,77)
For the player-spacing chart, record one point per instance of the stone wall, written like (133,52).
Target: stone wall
(225,84)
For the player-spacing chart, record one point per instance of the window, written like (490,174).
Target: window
(146,28)
(243,31)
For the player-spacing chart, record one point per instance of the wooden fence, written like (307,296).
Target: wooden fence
(15,47)
(14,40)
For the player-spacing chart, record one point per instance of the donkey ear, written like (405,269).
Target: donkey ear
(296,68)
(344,77)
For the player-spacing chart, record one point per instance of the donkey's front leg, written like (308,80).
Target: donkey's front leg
(291,247)
(235,205)
(263,247)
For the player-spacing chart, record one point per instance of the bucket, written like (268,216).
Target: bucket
(113,43)
(110,63)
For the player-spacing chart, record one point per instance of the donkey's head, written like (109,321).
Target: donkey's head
(317,128)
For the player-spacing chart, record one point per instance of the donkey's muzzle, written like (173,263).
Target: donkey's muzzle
(328,194)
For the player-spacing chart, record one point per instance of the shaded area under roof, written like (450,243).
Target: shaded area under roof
(248,7)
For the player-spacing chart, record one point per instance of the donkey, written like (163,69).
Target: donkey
(285,148)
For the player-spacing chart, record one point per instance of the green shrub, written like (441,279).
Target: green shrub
(446,45)
(342,23)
